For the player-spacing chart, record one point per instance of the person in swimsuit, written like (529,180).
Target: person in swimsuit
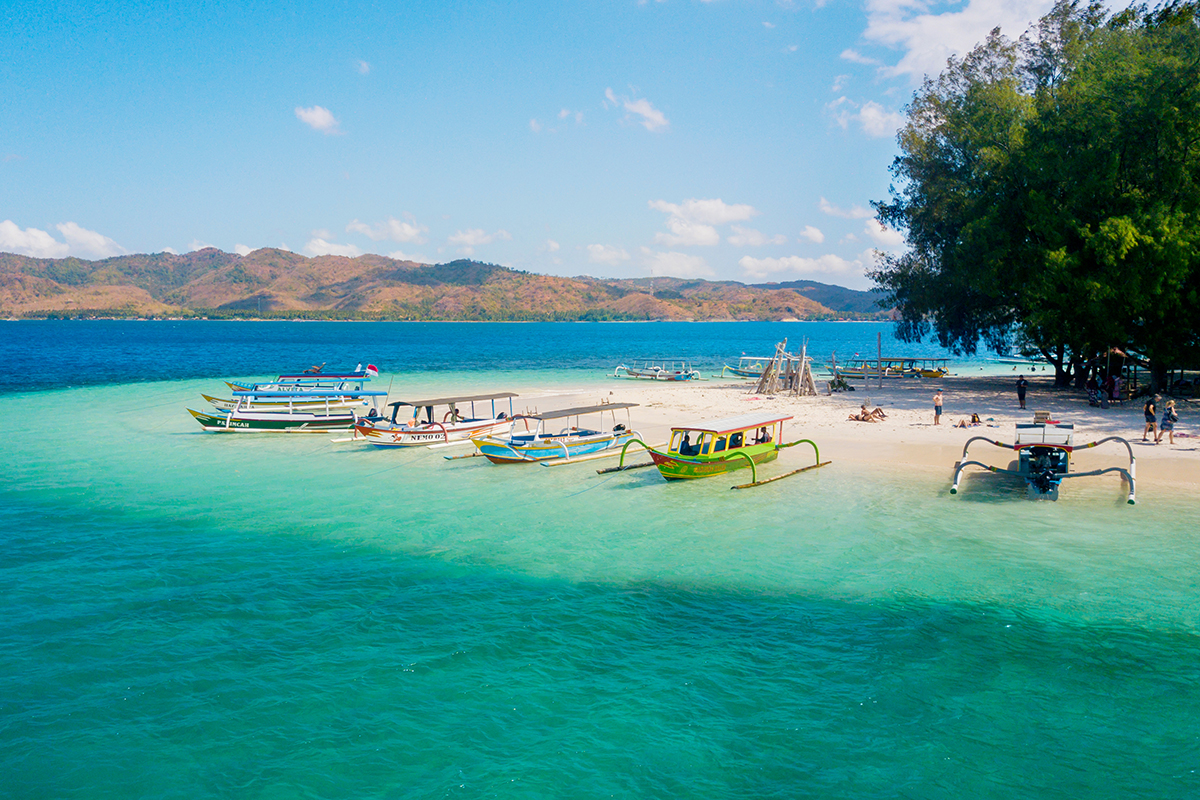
(937,408)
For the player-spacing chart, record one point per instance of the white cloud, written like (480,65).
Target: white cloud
(30,242)
(826,265)
(551,246)
(875,120)
(606,254)
(651,118)
(884,237)
(535,126)
(839,83)
(170,250)
(675,265)
(749,237)
(83,242)
(855,212)
(812,234)
(685,233)
(466,241)
(319,119)
(393,229)
(709,212)
(768,25)
(79,242)
(854,57)
(242,250)
(196,244)
(400,255)
(363,67)
(928,39)
(320,247)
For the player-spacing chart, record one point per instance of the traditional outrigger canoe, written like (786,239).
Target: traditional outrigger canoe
(307,382)
(659,370)
(454,425)
(716,447)
(1044,459)
(570,441)
(753,366)
(863,368)
(250,415)
(351,400)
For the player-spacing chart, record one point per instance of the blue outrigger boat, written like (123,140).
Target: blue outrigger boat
(570,441)
(289,411)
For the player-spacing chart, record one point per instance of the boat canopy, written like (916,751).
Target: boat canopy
(312,393)
(572,412)
(1059,435)
(445,401)
(742,422)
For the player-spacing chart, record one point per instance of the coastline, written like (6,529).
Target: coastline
(908,437)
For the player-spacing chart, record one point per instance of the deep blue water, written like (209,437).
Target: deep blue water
(53,353)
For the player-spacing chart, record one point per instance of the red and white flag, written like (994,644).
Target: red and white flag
(373,370)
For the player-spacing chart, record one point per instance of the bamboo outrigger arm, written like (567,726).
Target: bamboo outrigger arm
(816,452)
(620,467)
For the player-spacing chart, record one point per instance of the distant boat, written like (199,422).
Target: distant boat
(658,370)
(753,366)
(454,425)
(863,368)
(567,442)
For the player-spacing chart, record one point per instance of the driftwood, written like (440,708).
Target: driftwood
(787,372)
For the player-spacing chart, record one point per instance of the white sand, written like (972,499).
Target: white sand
(908,436)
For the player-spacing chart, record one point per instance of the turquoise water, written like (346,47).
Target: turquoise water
(197,615)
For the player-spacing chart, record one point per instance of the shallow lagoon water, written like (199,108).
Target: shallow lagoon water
(283,616)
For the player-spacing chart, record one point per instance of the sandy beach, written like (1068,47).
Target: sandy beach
(908,435)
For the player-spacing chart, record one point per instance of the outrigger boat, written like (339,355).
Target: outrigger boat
(570,441)
(753,366)
(352,400)
(1044,459)
(863,368)
(354,381)
(657,370)
(250,415)
(706,449)
(454,425)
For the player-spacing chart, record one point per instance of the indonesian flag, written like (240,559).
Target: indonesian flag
(373,370)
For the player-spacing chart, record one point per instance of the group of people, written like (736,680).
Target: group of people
(1103,393)
(1156,428)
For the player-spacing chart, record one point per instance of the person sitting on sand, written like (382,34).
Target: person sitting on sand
(877,413)
(865,416)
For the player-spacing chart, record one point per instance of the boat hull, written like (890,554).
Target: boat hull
(677,468)
(389,435)
(272,422)
(519,450)
(299,405)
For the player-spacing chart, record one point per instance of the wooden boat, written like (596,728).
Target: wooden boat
(752,366)
(354,381)
(569,441)
(346,401)
(260,412)
(451,426)
(865,368)
(716,447)
(1044,459)
(658,370)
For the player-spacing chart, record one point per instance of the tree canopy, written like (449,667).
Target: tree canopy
(1049,192)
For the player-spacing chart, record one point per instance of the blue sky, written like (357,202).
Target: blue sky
(732,139)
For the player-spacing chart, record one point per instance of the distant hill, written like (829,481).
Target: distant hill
(271,283)
(838,298)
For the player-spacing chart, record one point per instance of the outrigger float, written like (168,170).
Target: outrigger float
(657,370)
(454,426)
(568,444)
(1044,459)
(707,449)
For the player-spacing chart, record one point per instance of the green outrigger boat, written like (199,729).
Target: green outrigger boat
(706,449)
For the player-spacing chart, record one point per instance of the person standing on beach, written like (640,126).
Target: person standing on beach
(1168,424)
(937,408)
(1022,387)
(1151,420)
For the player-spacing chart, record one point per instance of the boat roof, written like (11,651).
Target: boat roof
(324,376)
(571,412)
(312,393)
(738,423)
(445,401)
